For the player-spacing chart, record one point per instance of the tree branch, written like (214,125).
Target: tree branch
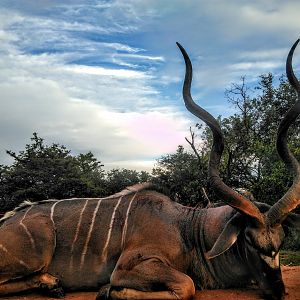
(192,144)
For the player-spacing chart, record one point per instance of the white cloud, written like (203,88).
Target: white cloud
(122,47)
(263,54)
(138,165)
(217,34)
(121,73)
(255,18)
(257,66)
(112,112)
(143,57)
(43,106)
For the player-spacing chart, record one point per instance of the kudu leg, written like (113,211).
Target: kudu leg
(44,281)
(26,249)
(150,279)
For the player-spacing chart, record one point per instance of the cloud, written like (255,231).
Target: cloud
(120,73)
(114,112)
(216,33)
(257,66)
(277,54)
(106,76)
(43,106)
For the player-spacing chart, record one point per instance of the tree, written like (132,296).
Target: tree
(91,175)
(272,179)
(181,174)
(118,179)
(250,159)
(43,172)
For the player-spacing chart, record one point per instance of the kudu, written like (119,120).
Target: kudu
(138,244)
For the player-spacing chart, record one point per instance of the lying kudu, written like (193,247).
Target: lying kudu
(138,244)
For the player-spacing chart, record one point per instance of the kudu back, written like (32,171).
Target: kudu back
(139,244)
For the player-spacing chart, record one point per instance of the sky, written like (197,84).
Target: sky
(106,76)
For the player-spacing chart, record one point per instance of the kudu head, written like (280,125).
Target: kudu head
(262,226)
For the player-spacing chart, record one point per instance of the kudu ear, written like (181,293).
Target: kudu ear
(291,221)
(227,237)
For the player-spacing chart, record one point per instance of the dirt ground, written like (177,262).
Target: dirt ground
(291,276)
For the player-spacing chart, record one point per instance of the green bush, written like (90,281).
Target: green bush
(290,258)
(292,240)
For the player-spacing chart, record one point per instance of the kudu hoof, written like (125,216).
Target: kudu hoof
(103,293)
(55,292)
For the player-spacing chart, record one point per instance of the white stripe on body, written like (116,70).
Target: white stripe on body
(89,235)
(104,251)
(124,232)
(52,214)
(77,233)
(26,228)
(21,262)
(53,206)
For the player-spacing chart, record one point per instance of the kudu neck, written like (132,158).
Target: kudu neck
(194,235)
(204,227)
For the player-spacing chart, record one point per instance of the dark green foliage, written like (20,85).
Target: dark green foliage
(250,158)
(289,258)
(118,179)
(44,172)
(272,178)
(292,240)
(182,175)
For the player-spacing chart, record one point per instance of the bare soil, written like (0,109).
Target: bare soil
(291,276)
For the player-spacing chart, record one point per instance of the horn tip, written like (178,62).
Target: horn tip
(182,50)
(179,45)
(294,46)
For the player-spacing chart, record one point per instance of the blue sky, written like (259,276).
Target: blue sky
(106,76)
